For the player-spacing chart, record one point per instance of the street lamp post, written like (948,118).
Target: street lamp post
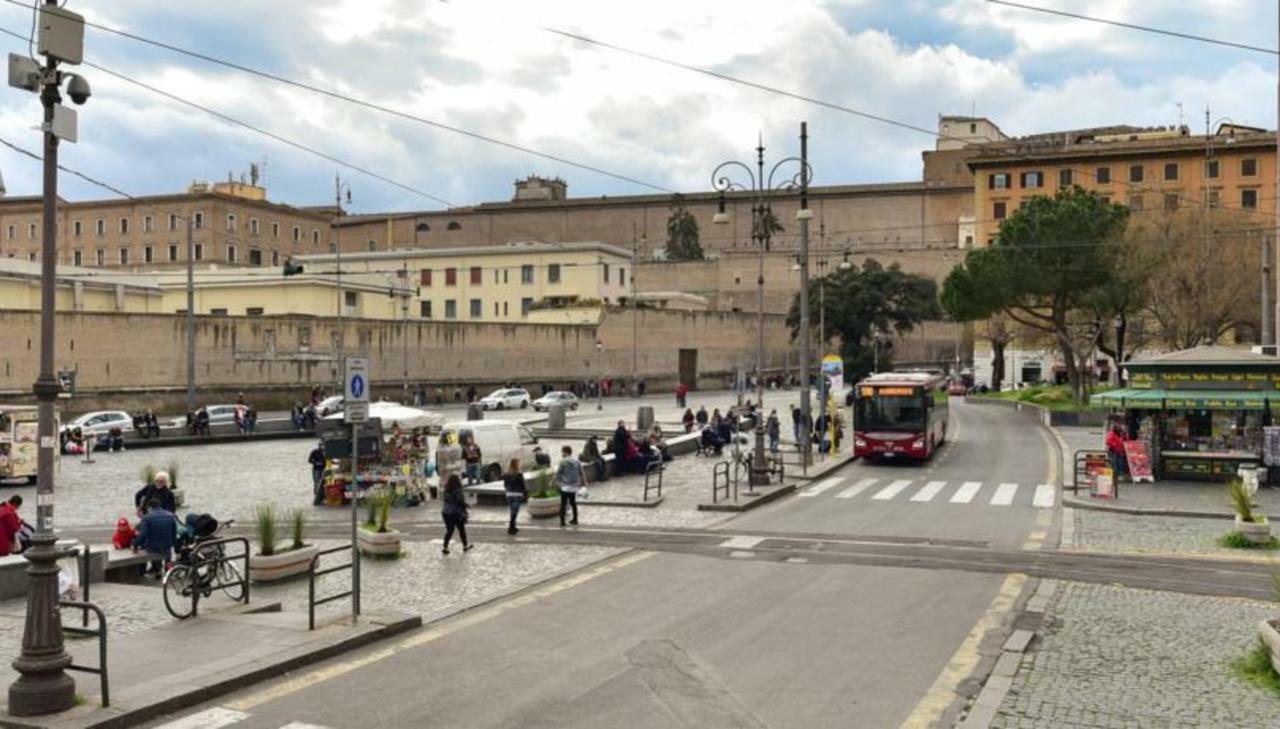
(599,379)
(339,187)
(760,188)
(43,686)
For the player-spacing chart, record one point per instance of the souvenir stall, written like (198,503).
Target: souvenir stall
(1198,414)
(394,451)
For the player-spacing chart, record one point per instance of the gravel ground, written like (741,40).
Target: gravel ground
(1110,532)
(1101,665)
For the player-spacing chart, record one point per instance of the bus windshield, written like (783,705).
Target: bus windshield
(885,408)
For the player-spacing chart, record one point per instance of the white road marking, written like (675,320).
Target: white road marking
(302,725)
(929,491)
(966,492)
(822,486)
(1044,496)
(857,488)
(741,542)
(1004,494)
(742,555)
(892,490)
(214,718)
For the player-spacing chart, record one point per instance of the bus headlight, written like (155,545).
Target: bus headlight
(860,443)
(918,444)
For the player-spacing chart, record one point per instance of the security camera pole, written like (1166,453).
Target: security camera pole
(43,686)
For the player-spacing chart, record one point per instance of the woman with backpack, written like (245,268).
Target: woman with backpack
(454,512)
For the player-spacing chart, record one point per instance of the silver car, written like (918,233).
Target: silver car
(558,397)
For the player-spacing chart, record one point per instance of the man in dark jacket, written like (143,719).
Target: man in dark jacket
(316,459)
(157,534)
(159,491)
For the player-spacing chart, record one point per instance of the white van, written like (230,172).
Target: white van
(499,442)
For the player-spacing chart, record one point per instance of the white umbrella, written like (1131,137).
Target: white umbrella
(407,418)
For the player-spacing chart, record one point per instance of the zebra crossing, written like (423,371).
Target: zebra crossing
(218,717)
(919,491)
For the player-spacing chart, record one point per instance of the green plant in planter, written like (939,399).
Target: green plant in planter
(174,469)
(297,527)
(265,523)
(544,485)
(378,503)
(1242,502)
(385,500)
(148,474)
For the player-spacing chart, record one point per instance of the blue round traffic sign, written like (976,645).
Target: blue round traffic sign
(357,386)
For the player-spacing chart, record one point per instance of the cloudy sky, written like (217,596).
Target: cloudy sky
(490,67)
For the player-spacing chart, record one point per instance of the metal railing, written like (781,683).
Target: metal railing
(658,466)
(100,633)
(313,573)
(204,555)
(1082,459)
(716,471)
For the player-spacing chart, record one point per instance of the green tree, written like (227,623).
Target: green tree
(1053,258)
(866,304)
(682,234)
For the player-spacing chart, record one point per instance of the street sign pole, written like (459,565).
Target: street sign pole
(355,411)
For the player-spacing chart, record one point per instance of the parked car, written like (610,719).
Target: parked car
(556,397)
(505,398)
(329,405)
(957,388)
(499,442)
(221,414)
(99,422)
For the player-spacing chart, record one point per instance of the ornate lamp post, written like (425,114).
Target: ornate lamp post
(760,188)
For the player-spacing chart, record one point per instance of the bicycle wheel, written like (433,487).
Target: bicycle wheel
(178,585)
(230,580)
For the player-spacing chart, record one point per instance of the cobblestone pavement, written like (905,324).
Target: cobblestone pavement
(1118,657)
(1111,532)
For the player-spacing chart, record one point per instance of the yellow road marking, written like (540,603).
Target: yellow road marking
(965,659)
(445,628)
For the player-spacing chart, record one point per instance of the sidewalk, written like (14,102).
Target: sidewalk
(1163,498)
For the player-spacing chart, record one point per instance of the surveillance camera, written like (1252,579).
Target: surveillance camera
(78,89)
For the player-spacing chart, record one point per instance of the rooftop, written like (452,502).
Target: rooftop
(1209,355)
(1119,140)
(506,249)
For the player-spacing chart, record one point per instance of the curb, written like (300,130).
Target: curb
(752,504)
(1077,502)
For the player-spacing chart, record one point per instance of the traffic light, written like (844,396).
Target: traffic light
(291,268)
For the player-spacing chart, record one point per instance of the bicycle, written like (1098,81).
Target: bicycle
(198,571)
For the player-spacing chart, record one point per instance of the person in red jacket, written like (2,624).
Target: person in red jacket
(1115,451)
(10,524)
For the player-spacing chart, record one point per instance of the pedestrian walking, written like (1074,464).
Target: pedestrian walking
(796,416)
(571,479)
(317,461)
(517,492)
(640,387)
(471,456)
(448,457)
(772,429)
(454,512)
(1115,452)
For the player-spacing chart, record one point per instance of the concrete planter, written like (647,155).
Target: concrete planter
(378,543)
(281,565)
(1269,633)
(1255,532)
(544,507)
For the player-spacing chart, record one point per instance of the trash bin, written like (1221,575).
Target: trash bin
(644,418)
(475,412)
(555,417)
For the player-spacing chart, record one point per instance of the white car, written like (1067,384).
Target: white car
(506,398)
(330,405)
(499,442)
(559,397)
(100,422)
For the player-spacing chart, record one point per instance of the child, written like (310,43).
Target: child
(123,538)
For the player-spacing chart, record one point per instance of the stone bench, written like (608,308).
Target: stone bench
(13,568)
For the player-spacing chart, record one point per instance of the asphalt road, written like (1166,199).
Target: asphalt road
(739,628)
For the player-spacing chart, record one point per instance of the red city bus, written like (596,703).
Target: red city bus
(899,415)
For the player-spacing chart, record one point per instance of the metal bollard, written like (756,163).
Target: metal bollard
(475,412)
(644,418)
(555,417)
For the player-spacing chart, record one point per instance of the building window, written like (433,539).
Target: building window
(1215,198)
(31,257)
(1248,168)
(606,272)
(1035,178)
(526,274)
(622,276)
(453,225)
(198,221)
(476,308)
(1171,201)
(218,312)
(553,273)
(198,250)
(451,277)
(525,305)
(231,222)
(173,252)
(255,257)
(1064,178)
(173,222)
(148,224)
(1106,199)
(999,210)
(315,237)
(100,226)
(373,245)
(1249,199)
(124,256)
(76,258)
(998,181)
(1136,202)
(476,272)
(297,234)
(424,309)
(124,226)
(253,311)
(450,309)
(425,277)
(1135,173)
(351,298)
(1211,169)
(275,231)
(253,226)
(31,231)
(495,309)
(77,229)
(13,232)
(101,256)
(275,258)
(1171,172)
(505,310)
(148,254)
